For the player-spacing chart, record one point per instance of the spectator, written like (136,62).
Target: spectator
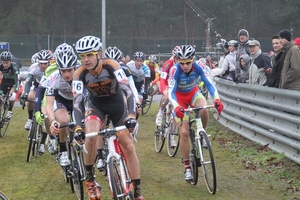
(243,37)
(290,73)
(274,79)
(297,42)
(242,70)
(209,61)
(229,63)
(261,67)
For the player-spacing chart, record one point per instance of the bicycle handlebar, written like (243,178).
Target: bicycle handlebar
(104,131)
(198,108)
(23,103)
(70,125)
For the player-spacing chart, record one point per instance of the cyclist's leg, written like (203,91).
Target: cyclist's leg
(93,120)
(162,106)
(62,116)
(199,100)
(30,107)
(12,99)
(44,135)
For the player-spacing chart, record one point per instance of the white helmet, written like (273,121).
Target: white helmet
(65,57)
(113,52)
(62,47)
(152,58)
(44,56)
(88,44)
(232,42)
(185,52)
(34,58)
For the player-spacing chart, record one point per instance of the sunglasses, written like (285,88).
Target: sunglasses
(186,62)
(87,55)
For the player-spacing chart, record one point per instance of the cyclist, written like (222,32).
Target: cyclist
(154,72)
(164,85)
(140,74)
(36,71)
(183,92)
(229,64)
(9,71)
(103,79)
(59,97)
(35,75)
(130,93)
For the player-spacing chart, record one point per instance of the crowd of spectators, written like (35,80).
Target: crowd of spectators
(279,69)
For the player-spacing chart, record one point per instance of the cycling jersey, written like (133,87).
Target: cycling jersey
(182,85)
(40,92)
(58,87)
(104,89)
(165,74)
(139,76)
(154,71)
(34,77)
(10,77)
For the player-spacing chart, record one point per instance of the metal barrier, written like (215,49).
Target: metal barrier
(262,114)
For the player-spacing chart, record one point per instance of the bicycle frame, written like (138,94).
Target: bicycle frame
(116,156)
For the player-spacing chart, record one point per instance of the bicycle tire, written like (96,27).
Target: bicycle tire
(208,165)
(115,177)
(193,159)
(146,105)
(32,139)
(3,196)
(129,184)
(69,174)
(76,173)
(159,138)
(4,123)
(173,133)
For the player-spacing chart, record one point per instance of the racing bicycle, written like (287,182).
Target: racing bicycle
(119,181)
(201,154)
(4,121)
(168,130)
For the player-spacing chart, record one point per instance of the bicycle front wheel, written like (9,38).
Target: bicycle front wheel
(146,105)
(159,138)
(75,171)
(208,163)
(3,196)
(4,124)
(193,159)
(115,178)
(32,141)
(173,139)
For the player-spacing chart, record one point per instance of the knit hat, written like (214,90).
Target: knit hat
(297,41)
(243,32)
(286,34)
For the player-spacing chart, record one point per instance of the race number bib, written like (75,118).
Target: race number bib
(120,75)
(164,75)
(77,87)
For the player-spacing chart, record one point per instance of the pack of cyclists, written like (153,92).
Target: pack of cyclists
(101,84)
